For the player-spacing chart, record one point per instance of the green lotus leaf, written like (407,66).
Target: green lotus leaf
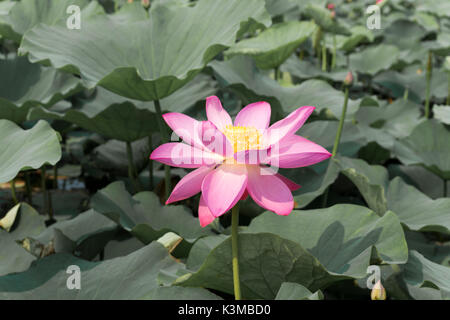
(397,119)
(278,7)
(144,216)
(374,59)
(414,209)
(421,272)
(419,177)
(24,15)
(111,279)
(428,146)
(84,235)
(447,64)
(413,78)
(269,260)
(442,113)
(295,291)
(322,17)
(306,70)
(312,248)
(428,21)
(240,74)
(432,250)
(417,210)
(371,181)
(341,236)
(313,183)
(440,8)
(112,156)
(41,86)
(403,34)
(119,118)
(14,258)
(143,58)
(359,35)
(274,45)
(26,148)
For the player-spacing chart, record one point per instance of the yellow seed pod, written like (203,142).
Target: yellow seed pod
(378,292)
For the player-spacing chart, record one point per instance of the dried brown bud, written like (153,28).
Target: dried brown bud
(378,292)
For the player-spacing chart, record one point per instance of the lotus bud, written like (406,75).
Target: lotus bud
(331,6)
(378,292)
(380,3)
(348,81)
(333,14)
(130,1)
(145,3)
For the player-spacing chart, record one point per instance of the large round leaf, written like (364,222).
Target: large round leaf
(25,223)
(26,148)
(421,272)
(144,216)
(123,119)
(241,74)
(374,59)
(143,58)
(312,248)
(323,18)
(41,86)
(416,210)
(111,279)
(428,145)
(274,45)
(24,15)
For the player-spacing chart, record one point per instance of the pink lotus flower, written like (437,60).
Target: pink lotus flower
(330,6)
(234,160)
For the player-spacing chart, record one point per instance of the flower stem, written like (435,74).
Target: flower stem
(341,124)
(324,57)
(55,177)
(132,172)
(276,73)
(45,194)
(448,94)
(165,138)
(405,94)
(445,188)
(333,59)
(336,141)
(13,191)
(428,89)
(28,187)
(234,245)
(150,164)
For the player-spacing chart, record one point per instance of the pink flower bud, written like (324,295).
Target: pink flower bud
(348,81)
(330,6)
